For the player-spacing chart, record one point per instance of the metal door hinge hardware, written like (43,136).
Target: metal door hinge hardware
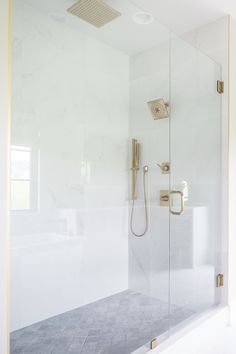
(165,168)
(154,344)
(220,86)
(220,280)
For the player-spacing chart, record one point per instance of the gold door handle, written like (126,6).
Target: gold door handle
(181,194)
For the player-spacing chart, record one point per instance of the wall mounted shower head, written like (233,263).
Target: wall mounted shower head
(95,12)
(159,108)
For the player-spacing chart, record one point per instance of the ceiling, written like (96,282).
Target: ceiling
(180,16)
(122,33)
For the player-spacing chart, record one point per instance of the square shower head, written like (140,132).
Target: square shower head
(95,12)
(159,108)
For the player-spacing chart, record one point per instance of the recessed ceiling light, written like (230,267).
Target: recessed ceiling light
(143,18)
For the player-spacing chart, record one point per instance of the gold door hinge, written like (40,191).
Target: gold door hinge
(220,280)
(220,86)
(154,344)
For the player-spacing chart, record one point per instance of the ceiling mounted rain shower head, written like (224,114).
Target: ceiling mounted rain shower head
(95,12)
(159,108)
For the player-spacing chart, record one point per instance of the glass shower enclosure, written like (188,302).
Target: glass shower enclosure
(115,179)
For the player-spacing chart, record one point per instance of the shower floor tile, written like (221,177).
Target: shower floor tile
(118,324)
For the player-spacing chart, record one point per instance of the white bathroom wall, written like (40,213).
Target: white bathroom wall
(4,176)
(70,106)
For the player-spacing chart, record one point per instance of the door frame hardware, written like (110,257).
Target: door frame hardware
(153,344)
(219,280)
(220,86)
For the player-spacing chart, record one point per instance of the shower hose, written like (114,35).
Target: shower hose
(145,170)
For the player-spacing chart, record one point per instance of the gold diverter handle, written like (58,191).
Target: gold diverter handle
(181,194)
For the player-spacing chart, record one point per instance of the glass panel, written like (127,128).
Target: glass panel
(196,172)
(80,95)
(20,195)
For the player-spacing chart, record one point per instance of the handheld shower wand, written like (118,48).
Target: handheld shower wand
(134,169)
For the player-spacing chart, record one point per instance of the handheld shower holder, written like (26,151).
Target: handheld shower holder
(164,167)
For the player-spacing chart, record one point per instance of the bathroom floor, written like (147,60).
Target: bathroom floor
(118,324)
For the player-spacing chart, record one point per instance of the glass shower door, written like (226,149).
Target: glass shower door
(195,152)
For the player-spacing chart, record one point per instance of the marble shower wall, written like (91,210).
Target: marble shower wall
(71,107)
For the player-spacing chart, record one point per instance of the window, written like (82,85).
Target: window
(22,183)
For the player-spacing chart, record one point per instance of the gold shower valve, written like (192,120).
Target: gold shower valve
(164,198)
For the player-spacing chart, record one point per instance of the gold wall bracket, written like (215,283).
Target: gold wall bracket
(220,86)
(219,280)
(154,344)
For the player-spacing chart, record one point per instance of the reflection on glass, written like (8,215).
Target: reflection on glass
(20,177)
(20,162)
(20,195)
